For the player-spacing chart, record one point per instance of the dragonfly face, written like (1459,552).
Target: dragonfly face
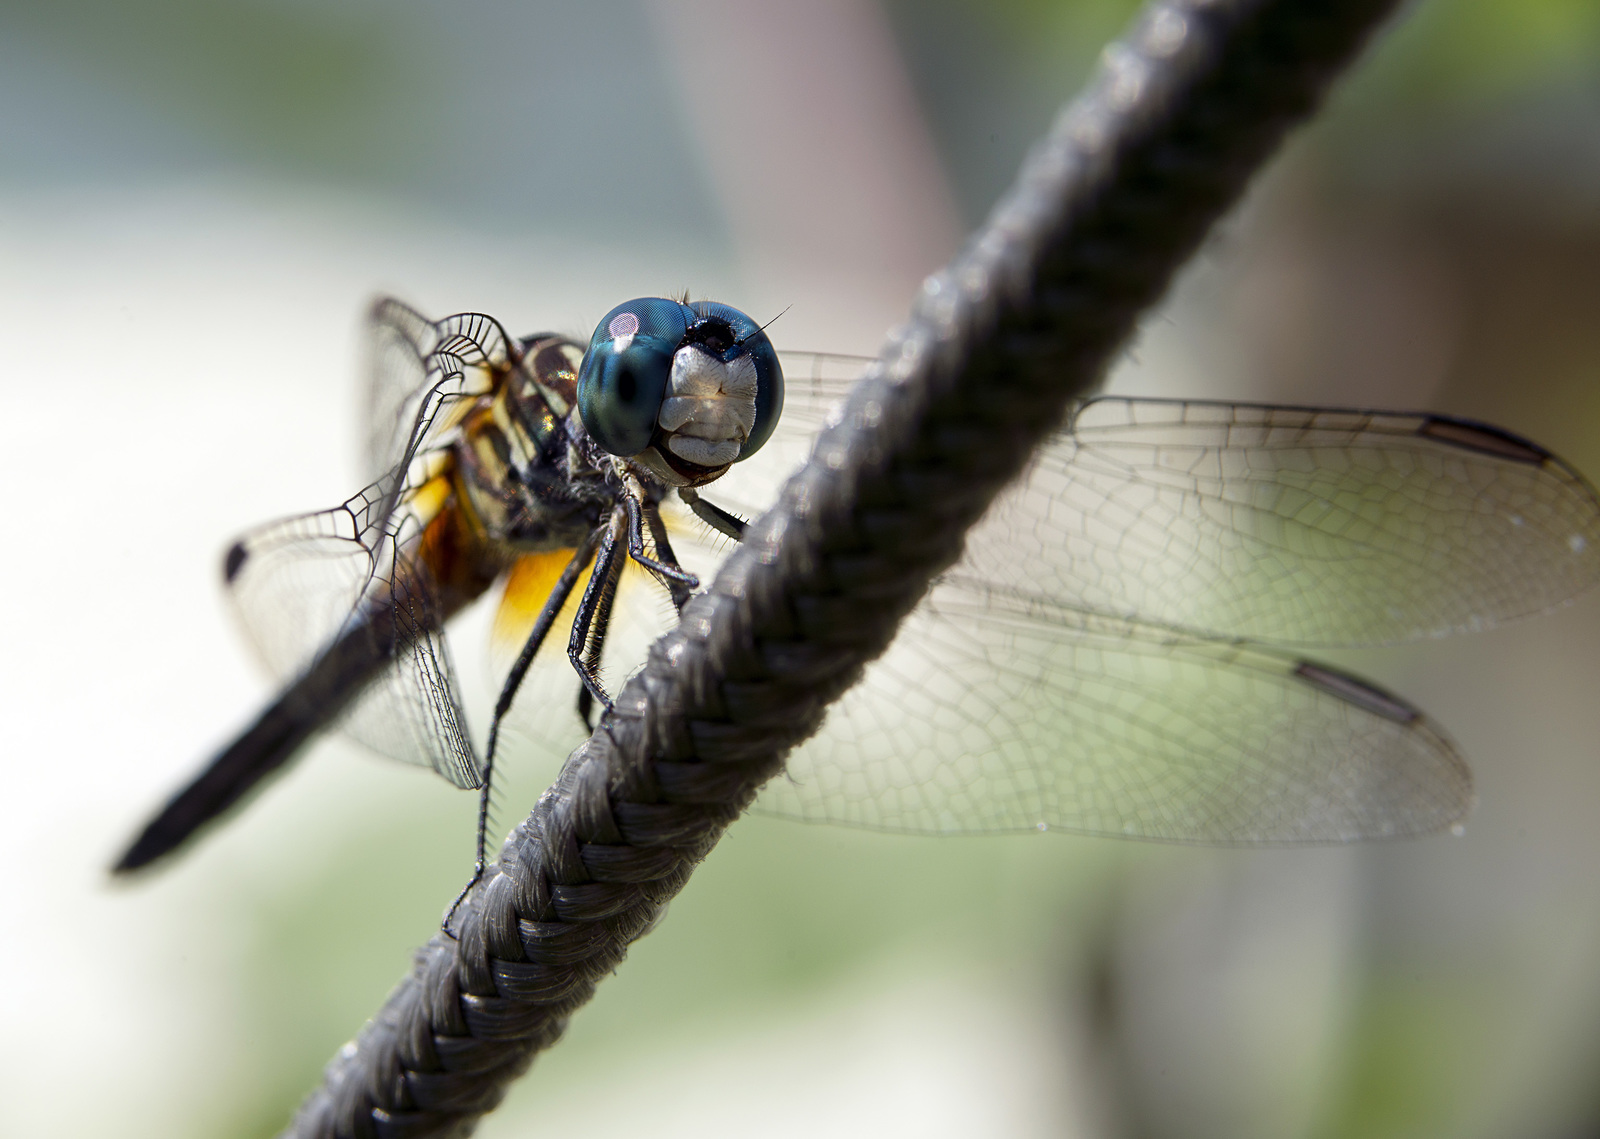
(1112,655)
(686,390)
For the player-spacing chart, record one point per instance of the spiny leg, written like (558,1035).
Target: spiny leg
(669,571)
(594,609)
(641,513)
(678,589)
(713,515)
(595,645)
(594,642)
(508,691)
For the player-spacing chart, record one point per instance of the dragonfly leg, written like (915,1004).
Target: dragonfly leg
(676,587)
(713,515)
(667,570)
(594,609)
(508,691)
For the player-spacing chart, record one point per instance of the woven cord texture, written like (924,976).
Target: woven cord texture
(1106,209)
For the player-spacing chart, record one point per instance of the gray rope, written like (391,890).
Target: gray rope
(1106,209)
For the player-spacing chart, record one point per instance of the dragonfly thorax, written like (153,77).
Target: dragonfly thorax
(516,466)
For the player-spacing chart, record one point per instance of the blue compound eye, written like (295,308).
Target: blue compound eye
(625,372)
(750,340)
(721,405)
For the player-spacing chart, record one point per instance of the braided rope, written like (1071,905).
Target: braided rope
(1108,206)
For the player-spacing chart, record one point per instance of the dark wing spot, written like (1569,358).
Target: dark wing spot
(1483,438)
(1358,692)
(232,563)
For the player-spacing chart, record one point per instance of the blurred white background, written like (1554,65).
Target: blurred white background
(198,199)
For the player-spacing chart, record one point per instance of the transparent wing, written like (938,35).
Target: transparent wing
(306,574)
(998,713)
(1293,525)
(417,369)
(814,381)
(814,385)
(298,583)
(412,710)
(1062,674)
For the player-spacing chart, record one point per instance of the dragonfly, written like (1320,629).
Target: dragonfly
(1118,652)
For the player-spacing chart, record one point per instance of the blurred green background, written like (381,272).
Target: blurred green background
(196,201)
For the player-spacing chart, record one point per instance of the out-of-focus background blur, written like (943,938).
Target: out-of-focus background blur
(198,197)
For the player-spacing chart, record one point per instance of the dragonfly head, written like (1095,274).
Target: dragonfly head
(687,390)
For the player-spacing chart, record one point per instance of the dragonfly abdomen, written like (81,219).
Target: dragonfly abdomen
(444,571)
(308,704)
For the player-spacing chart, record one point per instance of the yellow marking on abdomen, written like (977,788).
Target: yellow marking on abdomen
(528,584)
